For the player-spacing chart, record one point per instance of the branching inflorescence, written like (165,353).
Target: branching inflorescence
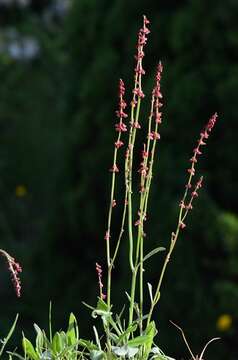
(132,205)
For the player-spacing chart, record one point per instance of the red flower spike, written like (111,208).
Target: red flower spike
(122,104)
(211,123)
(15,269)
(99,273)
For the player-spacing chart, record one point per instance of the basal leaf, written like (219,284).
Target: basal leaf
(72,332)
(29,349)
(57,343)
(139,340)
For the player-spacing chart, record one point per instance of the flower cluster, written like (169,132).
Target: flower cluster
(152,134)
(157,94)
(204,135)
(139,71)
(120,127)
(99,273)
(14,268)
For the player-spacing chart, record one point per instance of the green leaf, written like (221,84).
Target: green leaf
(89,345)
(72,332)
(57,343)
(102,310)
(139,340)
(153,252)
(88,306)
(131,328)
(63,337)
(29,349)
(114,337)
(101,305)
(97,337)
(7,338)
(39,339)
(96,355)
(150,332)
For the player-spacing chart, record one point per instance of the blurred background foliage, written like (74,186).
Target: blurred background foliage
(59,66)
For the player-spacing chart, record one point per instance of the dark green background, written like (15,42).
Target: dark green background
(56,135)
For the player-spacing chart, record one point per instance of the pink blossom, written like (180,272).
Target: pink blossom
(182,225)
(193,159)
(143,169)
(120,127)
(118,144)
(191,171)
(197,151)
(211,123)
(199,183)
(15,269)
(121,114)
(136,125)
(122,104)
(182,205)
(154,135)
(114,168)
(139,92)
(107,236)
(99,273)
(121,88)
(158,118)
(144,153)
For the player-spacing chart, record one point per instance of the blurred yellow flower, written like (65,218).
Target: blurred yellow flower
(224,322)
(21,190)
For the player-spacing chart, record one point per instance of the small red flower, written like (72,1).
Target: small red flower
(119,144)
(114,168)
(121,127)
(107,236)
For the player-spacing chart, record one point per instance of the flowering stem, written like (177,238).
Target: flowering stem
(120,127)
(184,209)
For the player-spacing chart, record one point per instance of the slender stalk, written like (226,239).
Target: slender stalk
(109,230)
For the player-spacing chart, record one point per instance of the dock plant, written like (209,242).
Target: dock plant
(131,334)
